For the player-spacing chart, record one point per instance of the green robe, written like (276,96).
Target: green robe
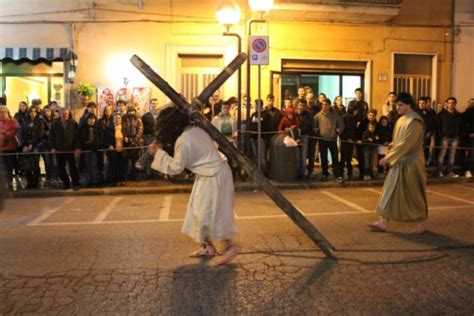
(404,192)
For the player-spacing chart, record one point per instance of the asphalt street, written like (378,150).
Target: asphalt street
(124,254)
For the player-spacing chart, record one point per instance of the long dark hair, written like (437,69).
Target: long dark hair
(170,124)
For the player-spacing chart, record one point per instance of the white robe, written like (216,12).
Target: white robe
(210,207)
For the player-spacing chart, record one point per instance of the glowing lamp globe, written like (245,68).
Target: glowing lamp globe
(228,13)
(261,5)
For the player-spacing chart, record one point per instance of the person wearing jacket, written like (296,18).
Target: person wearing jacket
(47,118)
(348,138)
(31,136)
(429,117)
(448,122)
(468,139)
(328,125)
(64,138)
(132,130)
(8,131)
(107,131)
(90,138)
(306,131)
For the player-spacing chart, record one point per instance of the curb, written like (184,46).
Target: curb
(166,187)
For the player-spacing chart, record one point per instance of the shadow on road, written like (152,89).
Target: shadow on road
(437,241)
(199,289)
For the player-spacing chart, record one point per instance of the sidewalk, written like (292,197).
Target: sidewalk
(185,186)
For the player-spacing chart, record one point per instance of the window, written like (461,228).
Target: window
(413,73)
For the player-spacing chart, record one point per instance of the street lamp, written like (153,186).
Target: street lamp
(228,14)
(261,5)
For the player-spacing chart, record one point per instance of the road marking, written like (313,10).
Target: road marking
(448,207)
(102,215)
(465,187)
(374,191)
(165,208)
(49,212)
(450,197)
(346,202)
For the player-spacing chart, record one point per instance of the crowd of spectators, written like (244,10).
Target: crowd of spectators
(103,146)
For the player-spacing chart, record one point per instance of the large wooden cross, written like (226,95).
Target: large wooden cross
(227,148)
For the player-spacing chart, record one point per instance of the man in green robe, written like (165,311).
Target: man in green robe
(404,192)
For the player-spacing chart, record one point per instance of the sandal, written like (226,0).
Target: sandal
(206,251)
(230,253)
(377,228)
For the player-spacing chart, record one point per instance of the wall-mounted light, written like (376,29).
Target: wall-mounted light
(261,5)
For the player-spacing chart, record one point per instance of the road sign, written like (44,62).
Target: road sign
(259,52)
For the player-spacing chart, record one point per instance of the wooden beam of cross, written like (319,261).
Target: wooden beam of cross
(227,148)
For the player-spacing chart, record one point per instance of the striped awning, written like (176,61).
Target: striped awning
(36,53)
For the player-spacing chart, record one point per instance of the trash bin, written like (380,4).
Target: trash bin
(283,159)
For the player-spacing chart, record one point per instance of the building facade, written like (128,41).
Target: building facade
(331,46)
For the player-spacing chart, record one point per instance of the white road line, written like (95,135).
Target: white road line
(448,207)
(346,202)
(165,208)
(102,215)
(175,220)
(49,212)
(374,191)
(450,197)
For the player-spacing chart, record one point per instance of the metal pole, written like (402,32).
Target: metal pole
(248,88)
(227,148)
(239,90)
(259,124)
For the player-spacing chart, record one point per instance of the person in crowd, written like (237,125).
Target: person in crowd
(339,106)
(313,149)
(429,117)
(360,104)
(91,107)
(300,97)
(369,141)
(321,97)
(107,131)
(403,196)
(226,124)
(45,146)
(209,217)
(254,141)
(8,147)
(132,130)
(121,107)
(467,156)
(213,106)
(370,117)
(91,142)
(31,135)
(54,107)
(328,125)
(148,120)
(389,105)
(348,138)
(22,115)
(273,116)
(287,103)
(306,131)
(289,121)
(37,104)
(65,145)
(384,133)
(448,123)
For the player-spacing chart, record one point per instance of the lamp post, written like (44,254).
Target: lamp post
(228,14)
(260,6)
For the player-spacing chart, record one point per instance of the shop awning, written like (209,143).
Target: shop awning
(36,53)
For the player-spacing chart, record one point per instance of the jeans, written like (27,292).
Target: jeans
(311,154)
(304,150)
(452,144)
(346,156)
(91,168)
(324,145)
(263,151)
(369,154)
(48,159)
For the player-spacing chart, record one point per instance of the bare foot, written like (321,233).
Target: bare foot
(419,230)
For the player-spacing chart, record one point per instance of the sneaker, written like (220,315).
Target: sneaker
(453,175)
(366,178)
(339,179)
(440,175)
(468,174)
(324,178)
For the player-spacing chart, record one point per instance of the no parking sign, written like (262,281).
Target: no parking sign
(259,50)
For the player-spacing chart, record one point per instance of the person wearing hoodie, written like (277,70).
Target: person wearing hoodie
(31,136)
